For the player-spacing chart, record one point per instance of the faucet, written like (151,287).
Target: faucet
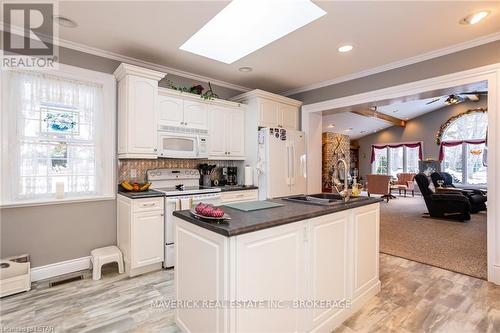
(345,194)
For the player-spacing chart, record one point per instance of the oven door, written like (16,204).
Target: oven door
(178,145)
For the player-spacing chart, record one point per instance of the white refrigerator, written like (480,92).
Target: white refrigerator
(282,163)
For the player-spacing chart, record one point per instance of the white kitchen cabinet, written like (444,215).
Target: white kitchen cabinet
(137,111)
(227,133)
(269,113)
(140,233)
(181,111)
(195,114)
(288,116)
(273,269)
(366,248)
(239,196)
(170,111)
(332,258)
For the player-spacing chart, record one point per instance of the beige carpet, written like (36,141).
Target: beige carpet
(458,247)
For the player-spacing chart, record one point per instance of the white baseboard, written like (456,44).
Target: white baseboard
(60,268)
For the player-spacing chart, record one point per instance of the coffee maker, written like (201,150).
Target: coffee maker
(232,176)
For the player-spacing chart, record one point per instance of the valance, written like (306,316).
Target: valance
(398,145)
(456,143)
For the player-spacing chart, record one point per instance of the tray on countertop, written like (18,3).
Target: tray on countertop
(249,206)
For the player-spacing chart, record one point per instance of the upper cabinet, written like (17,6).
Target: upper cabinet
(181,112)
(227,132)
(271,110)
(137,111)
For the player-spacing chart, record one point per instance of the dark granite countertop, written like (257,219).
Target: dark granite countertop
(243,222)
(141,195)
(229,188)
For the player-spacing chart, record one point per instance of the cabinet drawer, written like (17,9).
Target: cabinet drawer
(235,196)
(147,204)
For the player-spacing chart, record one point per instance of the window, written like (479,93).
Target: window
(59,132)
(463,142)
(392,159)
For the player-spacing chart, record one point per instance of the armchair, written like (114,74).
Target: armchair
(379,184)
(405,183)
(476,197)
(453,206)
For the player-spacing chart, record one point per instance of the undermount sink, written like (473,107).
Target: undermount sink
(323,199)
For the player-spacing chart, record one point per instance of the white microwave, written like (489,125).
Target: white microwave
(182,145)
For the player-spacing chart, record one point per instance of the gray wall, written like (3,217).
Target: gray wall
(423,128)
(467,59)
(59,232)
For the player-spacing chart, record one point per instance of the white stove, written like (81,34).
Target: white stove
(182,191)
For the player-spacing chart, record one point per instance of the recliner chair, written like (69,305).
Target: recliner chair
(453,206)
(476,198)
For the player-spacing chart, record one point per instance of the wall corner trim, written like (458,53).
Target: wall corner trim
(60,268)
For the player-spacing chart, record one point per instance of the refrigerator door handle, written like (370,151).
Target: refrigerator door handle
(303,165)
(291,162)
(287,164)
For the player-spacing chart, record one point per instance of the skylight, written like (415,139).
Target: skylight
(245,26)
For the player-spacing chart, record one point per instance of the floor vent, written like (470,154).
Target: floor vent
(67,280)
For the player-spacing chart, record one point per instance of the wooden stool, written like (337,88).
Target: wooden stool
(103,256)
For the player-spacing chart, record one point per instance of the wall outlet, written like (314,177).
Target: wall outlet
(133,173)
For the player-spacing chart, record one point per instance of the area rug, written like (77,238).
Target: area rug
(455,246)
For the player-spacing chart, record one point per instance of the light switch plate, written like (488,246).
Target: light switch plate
(133,173)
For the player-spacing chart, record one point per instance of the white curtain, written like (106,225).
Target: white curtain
(54,130)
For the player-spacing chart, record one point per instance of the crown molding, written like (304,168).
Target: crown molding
(400,63)
(130,60)
(268,95)
(127,69)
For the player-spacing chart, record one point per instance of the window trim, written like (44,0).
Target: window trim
(388,155)
(108,83)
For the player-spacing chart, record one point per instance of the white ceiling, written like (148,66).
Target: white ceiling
(412,109)
(360,125)
(381,32)
(357,126)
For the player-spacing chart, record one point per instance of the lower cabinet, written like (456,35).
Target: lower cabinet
(140,224)
(239,196)
(313,273)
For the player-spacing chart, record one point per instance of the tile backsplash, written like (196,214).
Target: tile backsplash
(141,166)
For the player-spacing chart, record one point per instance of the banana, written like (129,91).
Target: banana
(145,186)
(126,185)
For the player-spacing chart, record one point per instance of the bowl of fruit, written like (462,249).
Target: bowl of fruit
(135,187)
(209,213)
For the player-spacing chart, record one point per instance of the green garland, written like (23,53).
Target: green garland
(443,127)
(196,90)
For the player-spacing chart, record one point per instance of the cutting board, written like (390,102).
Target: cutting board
(249,206)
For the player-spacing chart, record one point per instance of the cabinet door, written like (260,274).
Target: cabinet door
(147,245)
(273,269)
(235,133)
(195,114)
(217,131)
(328,267)
(170,111)
(288,116)
(142,108)
(268,113)
(366,247)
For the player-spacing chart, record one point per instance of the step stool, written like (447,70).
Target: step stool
(103,256)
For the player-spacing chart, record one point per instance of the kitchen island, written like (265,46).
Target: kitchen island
(293,268)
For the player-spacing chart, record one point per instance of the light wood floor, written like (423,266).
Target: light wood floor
(414,298)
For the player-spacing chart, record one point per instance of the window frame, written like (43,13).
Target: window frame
(108,136)
(388,156)
(464,145)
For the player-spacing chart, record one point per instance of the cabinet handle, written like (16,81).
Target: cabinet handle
(149,204)
(155,149)
(162,214)
(185,124)
(229,153)
(240,195)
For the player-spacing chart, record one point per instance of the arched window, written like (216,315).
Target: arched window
(463,139)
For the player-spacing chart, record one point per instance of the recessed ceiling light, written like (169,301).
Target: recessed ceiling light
(64,21)
(245,26)
(331,125)
(345,48)
(245,69)
(361,132)
(395,111)
(475,17)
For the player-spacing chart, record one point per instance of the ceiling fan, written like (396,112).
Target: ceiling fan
(459,98)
